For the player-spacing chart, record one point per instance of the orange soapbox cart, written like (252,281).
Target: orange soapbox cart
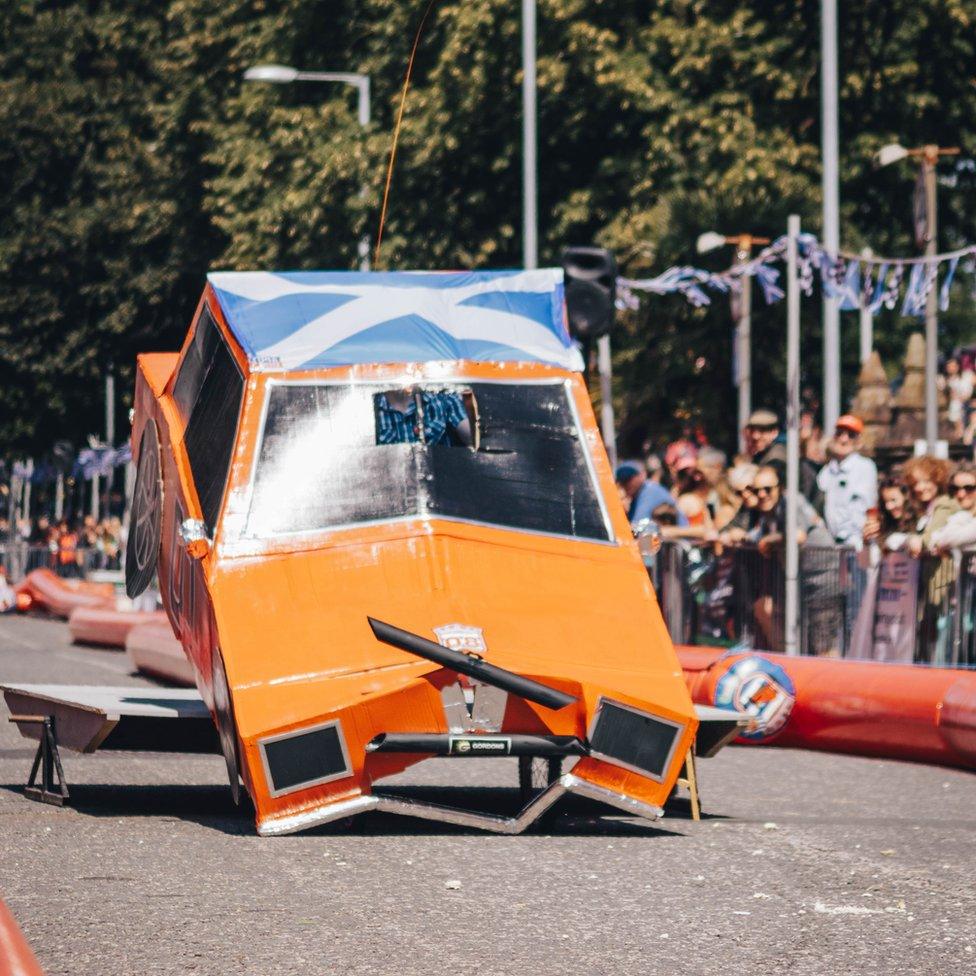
(385,529)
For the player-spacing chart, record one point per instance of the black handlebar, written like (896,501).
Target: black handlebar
(473,667)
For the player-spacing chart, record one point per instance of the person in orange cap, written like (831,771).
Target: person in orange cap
(849,482)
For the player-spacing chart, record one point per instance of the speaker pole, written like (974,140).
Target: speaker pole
(605,368)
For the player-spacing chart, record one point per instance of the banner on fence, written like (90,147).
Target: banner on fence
(888,619)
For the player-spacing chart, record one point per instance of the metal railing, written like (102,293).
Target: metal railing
(727,596)
(18,559)
(735,596)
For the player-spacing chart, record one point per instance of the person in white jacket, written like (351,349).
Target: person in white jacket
(849,482)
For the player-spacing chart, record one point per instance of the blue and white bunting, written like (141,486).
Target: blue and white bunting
(855,281)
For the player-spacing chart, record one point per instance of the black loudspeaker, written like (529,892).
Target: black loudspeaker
(591,290)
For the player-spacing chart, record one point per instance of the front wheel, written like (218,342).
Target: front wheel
(536,773)
(226,729)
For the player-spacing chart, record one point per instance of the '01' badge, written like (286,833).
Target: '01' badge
(461,637)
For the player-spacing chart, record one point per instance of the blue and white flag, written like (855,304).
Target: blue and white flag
(319,319)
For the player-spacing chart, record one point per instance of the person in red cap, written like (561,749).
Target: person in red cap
(849,482)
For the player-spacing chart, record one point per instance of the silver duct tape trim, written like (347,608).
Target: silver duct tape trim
(481,821)
(568,783)
(277,826)
(636,808)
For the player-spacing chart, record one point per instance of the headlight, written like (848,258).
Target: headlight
(626,737)
(305,757)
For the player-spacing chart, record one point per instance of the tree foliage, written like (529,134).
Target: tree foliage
(135,159)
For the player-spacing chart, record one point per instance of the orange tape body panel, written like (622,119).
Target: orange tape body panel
(285,619)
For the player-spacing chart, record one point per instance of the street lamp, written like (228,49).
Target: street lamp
(277,73)
(892,153)
(741,313)
(929,156)
(282,74)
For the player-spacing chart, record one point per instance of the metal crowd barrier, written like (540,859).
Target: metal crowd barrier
(734,596)
(18,559)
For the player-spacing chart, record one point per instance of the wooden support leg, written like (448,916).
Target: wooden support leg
(47,761)
(689,780)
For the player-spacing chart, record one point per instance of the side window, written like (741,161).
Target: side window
(195,364)
(208,392)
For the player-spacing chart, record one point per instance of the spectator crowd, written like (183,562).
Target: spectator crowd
(926,505)
(849,515)
(70,547)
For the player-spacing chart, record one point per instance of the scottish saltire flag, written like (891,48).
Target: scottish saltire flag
(316,319)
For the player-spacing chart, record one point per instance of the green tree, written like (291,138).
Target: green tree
(101,233)
(136,159)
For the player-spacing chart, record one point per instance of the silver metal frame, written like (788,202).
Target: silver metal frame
(241,540)
(680,726)
(347,771)
(386,803)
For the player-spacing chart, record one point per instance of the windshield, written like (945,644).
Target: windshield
(502,454)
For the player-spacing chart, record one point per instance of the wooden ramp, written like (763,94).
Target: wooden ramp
(90,717)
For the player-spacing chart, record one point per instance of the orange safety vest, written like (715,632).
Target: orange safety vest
(67,545)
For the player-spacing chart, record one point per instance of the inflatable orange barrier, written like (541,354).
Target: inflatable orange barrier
(60,596)
(16,958)
(894,711)
(108,626)
(153,649)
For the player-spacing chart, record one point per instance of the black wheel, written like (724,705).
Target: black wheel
(142,549)
(536,773)
(226,729)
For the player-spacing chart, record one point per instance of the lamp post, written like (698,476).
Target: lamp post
(866,319)
(791,610)
(741,314)
(280,74)
(831,205)
(929,156)
(530,193)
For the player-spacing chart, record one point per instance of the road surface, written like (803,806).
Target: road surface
(805,864)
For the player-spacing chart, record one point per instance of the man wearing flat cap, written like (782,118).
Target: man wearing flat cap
(849,482)
(766,450)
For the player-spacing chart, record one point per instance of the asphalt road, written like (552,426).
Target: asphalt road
(805,864)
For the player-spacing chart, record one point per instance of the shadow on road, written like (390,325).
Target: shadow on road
(211,806)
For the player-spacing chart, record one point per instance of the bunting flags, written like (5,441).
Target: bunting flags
(101,460)
(855,281)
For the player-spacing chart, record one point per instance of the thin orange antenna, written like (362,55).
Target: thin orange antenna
(396,132)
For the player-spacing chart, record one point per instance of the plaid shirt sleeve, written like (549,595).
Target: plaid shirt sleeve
(441,411)
(453,408)
(393,427)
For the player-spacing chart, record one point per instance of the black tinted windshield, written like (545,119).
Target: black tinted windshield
(504,454)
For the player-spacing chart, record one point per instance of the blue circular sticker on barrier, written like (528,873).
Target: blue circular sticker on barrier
(761,689)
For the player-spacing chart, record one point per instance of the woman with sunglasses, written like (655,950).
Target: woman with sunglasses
(960,529)
(740,480)
(928,482)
